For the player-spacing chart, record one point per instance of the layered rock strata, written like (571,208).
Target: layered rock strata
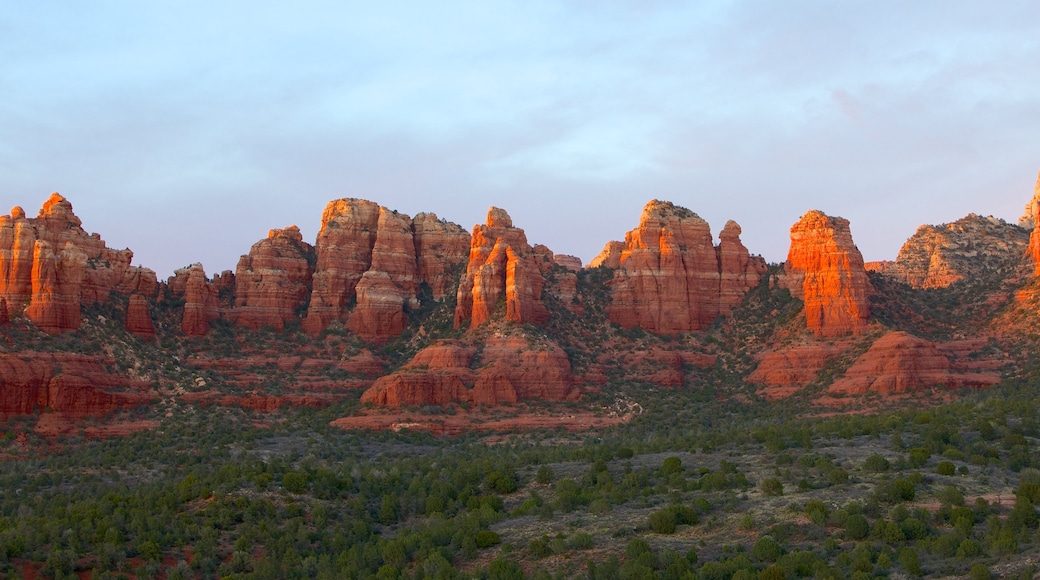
(70,384)
(671,278)
(273,281)
(371,263)
(825,270)
(50,266)
(899,362)
(509,370)
(502,266)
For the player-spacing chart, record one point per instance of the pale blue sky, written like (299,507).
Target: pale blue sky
(186,130)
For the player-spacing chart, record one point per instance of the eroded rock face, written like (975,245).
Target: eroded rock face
(610,256)
(138,320)
(78,266)
(572,263)
(786,371)
(272,282)
(899,362)
(201,302)
(502,265)
(937,256)
(441,246)
(371,262)
(671,278)
(70,384)
(511,369)
(825,270)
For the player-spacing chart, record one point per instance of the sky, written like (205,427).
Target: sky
(186,130)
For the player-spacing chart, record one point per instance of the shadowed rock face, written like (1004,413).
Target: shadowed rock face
(825,270)
(272,282)
(502,265)
(510,370)
(670,277)
(138,320)
(370,263)
(899,362)
(70,384)
(50,266)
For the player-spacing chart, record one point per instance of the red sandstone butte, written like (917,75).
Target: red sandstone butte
(371,263)
(138,320)
(825,270)
(200,300)
(511,369)
(899,362)
(273,281)
(671,278)
(70,384)
(50,266)
(502,265)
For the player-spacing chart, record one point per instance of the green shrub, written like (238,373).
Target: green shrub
(663,521)
(945,468)
(772,486)
(766,549)
(856,527)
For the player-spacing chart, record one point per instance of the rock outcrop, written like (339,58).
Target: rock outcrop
(785,371)
(670,277)
(899,362)
(441,247)
(610,256)
(572,263)
(71,384)
(74,268)
(502,266)
(510,369)
(973,246)
(825,270)
(1029,221)
(371,263)
(201,299)
(273,281)
(138,320)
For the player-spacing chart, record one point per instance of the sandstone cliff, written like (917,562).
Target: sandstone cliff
(371,262)
(825,270)
(50,266)
(671,278)
(502,266)
(273,281)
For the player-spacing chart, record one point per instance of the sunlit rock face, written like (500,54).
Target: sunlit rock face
(825,270)
(671,278)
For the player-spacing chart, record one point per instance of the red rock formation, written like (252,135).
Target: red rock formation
(511,369)
(5,316)
(899,362)
(825,270)
(80,263)
(344,254)
(56,283)
(572,263)
(70,384)
(880,266)
(272,282)
(739,271)
(200,300)
(671,279)
(502,265)
(138,320)
(788,370)
(610,257)
(440,247)
(371,262)
(391,284)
